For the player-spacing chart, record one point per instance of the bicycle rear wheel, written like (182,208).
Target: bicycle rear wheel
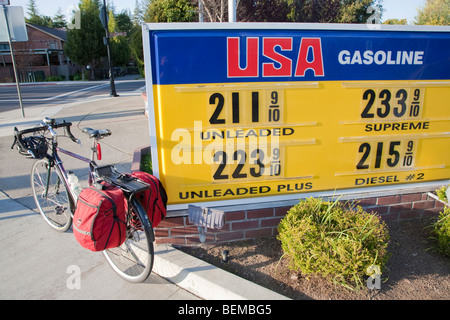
(133,260)
(50,195)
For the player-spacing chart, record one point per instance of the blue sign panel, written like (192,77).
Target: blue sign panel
(218,56)
(281,111)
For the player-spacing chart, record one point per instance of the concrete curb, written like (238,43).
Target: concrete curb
(194,275)
(198,277)
(136,164)
(204,280)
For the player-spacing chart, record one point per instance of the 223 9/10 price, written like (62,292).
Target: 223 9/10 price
(243,169)
(378,155)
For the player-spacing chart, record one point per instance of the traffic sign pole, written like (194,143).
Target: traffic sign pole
(5,11)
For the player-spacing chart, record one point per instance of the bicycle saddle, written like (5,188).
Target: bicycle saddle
(97,134)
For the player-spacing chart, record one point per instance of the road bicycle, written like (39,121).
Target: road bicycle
(56,201)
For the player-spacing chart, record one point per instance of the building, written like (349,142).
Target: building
(40,57)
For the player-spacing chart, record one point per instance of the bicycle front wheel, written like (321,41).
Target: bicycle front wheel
(50,195)
(133,260)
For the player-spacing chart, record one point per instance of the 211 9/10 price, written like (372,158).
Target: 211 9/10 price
(265,107)
(385,155)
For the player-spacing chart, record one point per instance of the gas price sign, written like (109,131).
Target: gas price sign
(239,111)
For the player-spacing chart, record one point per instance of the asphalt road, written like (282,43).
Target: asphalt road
(59,93)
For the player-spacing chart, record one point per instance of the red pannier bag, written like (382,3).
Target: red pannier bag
(99,221)
(154,200)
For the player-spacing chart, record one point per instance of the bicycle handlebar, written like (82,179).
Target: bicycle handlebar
(49,124)
(68,124)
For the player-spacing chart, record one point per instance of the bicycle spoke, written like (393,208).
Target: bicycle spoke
(133,260)
(50,196)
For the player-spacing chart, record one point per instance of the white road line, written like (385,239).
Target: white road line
(61,95)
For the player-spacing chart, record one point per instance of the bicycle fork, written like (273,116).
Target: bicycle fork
(59,184)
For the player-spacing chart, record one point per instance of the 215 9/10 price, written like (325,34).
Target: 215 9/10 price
(378,155)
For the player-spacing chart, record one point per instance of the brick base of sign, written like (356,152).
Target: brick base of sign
(249,224)
(253,223)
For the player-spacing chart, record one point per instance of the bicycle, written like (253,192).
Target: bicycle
(133,260)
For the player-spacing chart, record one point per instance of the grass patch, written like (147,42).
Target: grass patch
(441,228)
(146,162)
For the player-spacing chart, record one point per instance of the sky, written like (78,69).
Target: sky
(394,9)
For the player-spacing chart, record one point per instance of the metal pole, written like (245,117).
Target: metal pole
(231,10)
(200,11)
(112,86)
(13,61)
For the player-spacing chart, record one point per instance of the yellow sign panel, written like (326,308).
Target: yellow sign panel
(306,132)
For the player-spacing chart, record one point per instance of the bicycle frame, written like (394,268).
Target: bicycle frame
(54,196)
(54,159)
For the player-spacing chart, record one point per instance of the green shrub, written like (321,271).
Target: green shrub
(441,228)
(55,78)
(441,193)
(441,231)
(336,240)
(146,163)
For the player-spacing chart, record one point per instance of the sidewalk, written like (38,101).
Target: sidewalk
(40,263)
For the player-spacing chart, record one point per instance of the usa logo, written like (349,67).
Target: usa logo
(247,65)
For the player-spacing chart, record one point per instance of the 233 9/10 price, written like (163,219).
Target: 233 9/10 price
(390,103)
(380,155)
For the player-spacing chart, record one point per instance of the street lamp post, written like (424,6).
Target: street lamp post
(112,86)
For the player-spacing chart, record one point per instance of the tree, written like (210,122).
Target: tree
(59,20)
(322,11)
(124,21)
(435,12)
(35,17)
(215,10)
(262,11)
(396,21)
(33,12)
(169,11)
(137,48)
(246,10)
(330,11)
(137,17)
(85,45)
(355,11)
(313,11)
(120,49)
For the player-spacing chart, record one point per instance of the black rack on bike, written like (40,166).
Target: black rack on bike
(125,182)
(56,197)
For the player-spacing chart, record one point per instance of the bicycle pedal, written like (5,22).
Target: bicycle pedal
(59,210)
